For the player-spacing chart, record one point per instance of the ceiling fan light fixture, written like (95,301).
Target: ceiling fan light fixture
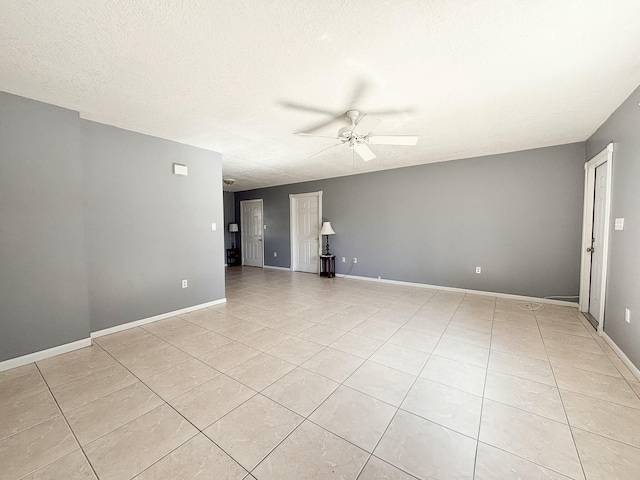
(229,181)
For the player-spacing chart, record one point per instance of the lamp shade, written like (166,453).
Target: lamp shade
(327,229)
(233,227)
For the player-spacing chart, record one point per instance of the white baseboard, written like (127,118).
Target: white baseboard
(43,354)
(465,290)
(270,267)
(622,355)
(162,316)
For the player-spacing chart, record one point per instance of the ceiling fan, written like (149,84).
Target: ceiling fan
(356,136)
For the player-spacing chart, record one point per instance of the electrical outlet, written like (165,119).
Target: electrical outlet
(627,315)
(344,259)
(379,277)
(275,254)
(355,260)
(478,270)
(185,284)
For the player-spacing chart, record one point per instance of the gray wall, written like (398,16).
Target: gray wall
(95,231)
(517,215)
(147,229)
(623,282)
(43,279)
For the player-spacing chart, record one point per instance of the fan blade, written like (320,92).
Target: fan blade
(392,111)
(318,126)
(393,139)
(307,108)
(328,148)
(366,124)
(302,134)
(357,93)
(365,152)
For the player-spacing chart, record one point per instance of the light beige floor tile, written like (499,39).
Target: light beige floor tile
(462,352)
(427,450)
(377,330)
(161,327)
(315,314)
(400,358)
(359,312)
(265,339)
(376,469)
(125,452)
(180,379)
(596,385)
(333,364)
(210,320)
(430,326)
(495,464)
(603,418)
(261,371)
(228,356)
(292,326)
(73,466)
(13,373)
(87,389)
(582,360)
(635,386)
(155,362)
(198,458)
(312,452)
(31,449)
(201,344)
(408,338)
(605,459)
(75,369)
(533,397)
(295,350)
(101,416)
(446,406)
(522,366)
(120,338)
(301,391)
(537,439)
(208,402)
(27,412)
(253,429)
(67,357)
(455,374)
(547,326)
(322,334)
(137,348)
(481,325)
(354,416)
(561,340)
(239,330)
(462,334)
(528,347)
(357,345)
(19,387)
(381,382)
(178,335)
(340,321)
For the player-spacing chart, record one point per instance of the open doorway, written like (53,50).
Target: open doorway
(595,237)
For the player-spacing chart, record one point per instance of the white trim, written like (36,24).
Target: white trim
(144,321)
(261,228)
(629,364)
(292,223)
(605,155)
(43,354)
(465,290)
(271,267)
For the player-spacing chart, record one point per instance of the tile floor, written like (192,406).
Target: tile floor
(298,377)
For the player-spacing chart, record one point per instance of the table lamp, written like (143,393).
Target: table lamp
(233,228)
(327,230)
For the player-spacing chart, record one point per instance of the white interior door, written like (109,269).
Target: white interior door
(597,246)
(251,233)
(305,228)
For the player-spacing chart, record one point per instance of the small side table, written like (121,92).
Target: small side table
(328,266)
(233,257)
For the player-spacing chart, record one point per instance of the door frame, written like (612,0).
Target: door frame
(292,223)
(242,227)
(605,155)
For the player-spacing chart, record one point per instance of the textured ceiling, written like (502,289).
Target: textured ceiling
(479,77)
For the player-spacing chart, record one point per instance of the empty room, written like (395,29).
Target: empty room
(320,240)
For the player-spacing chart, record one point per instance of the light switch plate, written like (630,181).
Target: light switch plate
(619,224)
(180,169)
(213,227)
